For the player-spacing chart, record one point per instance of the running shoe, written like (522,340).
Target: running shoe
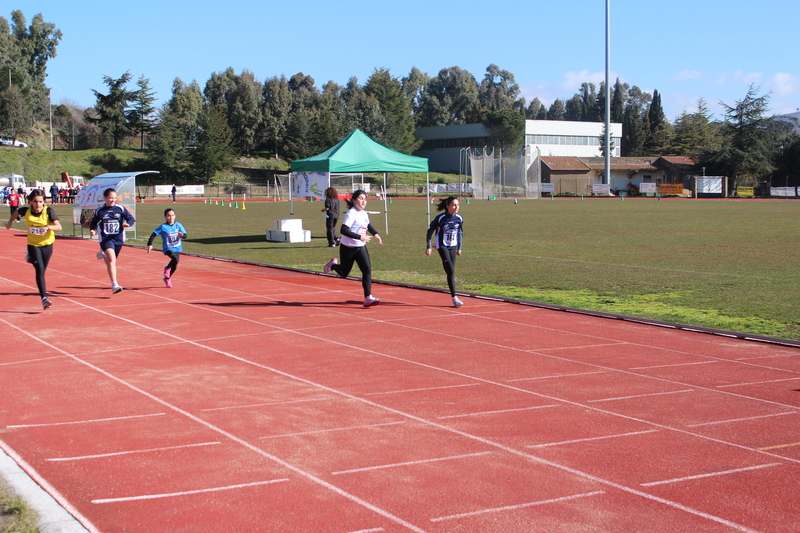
(168,283)
(370,300)
(115,289)
(166,272)
(100,255)
(46,303)
(329,265)
(456,302)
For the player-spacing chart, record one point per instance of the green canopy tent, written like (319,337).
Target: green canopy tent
(358,153)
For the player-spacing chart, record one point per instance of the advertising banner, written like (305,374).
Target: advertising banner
(305,184)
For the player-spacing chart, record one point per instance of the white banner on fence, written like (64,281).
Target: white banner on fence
(549,187)
(783,191)
(600,188)
(183,189)
(310,184)
(648,187)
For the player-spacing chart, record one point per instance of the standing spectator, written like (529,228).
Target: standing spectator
(42,222)
(356,233)
(331,211)
(174,193)
(13,201)
(54,193)
(111,219)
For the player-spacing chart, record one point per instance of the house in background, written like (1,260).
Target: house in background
(578,174)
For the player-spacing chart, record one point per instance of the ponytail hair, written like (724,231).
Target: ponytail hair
(444,202)
(351,201)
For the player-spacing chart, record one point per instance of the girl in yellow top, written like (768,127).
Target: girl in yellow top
(42,222)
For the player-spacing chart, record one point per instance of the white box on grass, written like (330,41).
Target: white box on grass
(288,236)
(289,224)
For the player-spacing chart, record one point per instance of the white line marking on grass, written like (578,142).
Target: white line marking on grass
(796,378)
(407,463)
(519,506)
(33,360)
(423,389)
(739,419)
(188,492)
(247,406)
(711,474)
(130,452)
(589,439)
(558,376)
(497,412)
(640,396)
(677,364)
(92,421)
(347,428)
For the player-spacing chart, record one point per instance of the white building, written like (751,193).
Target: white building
(445,147)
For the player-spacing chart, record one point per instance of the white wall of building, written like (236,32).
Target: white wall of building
(445,146)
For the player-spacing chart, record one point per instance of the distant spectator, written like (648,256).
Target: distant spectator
(174,193)
(54,193)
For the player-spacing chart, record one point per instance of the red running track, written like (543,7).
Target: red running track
(256,399)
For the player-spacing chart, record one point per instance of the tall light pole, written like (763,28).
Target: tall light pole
(608,96)
(50,105)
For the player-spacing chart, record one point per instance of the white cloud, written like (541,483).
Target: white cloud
(687,74)
(783,85)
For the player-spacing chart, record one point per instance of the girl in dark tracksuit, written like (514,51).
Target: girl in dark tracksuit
(449,229)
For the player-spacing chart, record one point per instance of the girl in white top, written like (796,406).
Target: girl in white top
(356,233)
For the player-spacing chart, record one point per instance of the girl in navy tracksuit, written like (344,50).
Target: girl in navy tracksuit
(449,229)
(111,219)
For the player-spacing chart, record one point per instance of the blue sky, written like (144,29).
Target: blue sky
(684,49)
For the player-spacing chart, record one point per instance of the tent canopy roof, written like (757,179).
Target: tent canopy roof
(359,153)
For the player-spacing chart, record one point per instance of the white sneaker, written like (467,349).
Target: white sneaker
(456,302)
(100,255)
(370,301)
(329,265)
(115,289)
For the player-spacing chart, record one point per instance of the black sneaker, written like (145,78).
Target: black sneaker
(46,303)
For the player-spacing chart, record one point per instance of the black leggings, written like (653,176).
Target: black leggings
(448,256)
(40,257)
(360,256)
(174,257)
(330,229)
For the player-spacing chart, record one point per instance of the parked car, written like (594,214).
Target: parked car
(5,140)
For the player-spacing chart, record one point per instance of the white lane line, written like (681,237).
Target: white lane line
(711,474)
(640,396)
(373,530)
(676,364)
(423,389)
(796,378)
(519,506)
(557,376)
(740,419)
(33,360)
(19,426)
(247,406)
(188,492)
(347,428)
(589,439)
(130,452)
(497,412)
(420,462)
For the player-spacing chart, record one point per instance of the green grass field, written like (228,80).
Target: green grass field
(729,265)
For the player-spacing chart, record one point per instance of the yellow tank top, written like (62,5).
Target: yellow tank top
(37,235)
